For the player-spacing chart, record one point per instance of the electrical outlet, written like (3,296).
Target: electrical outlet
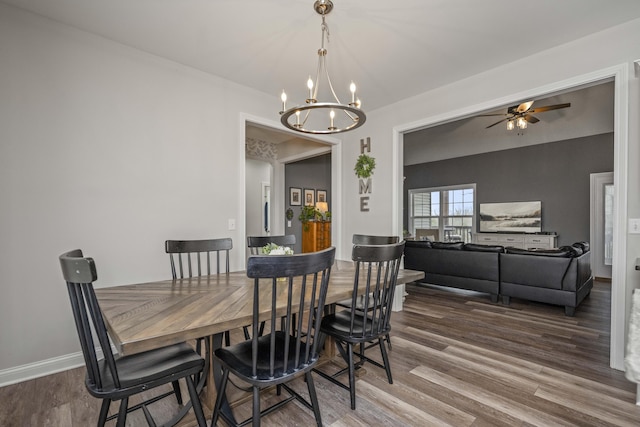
(634,225)
(232,224)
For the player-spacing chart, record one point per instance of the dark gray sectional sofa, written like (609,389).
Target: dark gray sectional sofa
(558,276)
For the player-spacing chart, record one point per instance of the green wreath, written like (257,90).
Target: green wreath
(365,166)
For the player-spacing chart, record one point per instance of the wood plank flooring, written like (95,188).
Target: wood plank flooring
(457,360)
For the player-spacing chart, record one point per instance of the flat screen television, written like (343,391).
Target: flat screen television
(511,217)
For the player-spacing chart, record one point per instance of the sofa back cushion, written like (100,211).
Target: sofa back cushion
(458,246)
(483,248)
(417,244)
(582,245)
(559,253)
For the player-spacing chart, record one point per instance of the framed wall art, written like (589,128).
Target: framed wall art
(309,197)
(321,195)
(295,196)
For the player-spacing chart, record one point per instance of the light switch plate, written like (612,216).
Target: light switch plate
(634,225)
(232,224)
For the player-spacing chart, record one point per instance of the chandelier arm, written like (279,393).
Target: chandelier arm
(334,92)
(318,73)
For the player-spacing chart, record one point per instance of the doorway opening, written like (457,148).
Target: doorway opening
(619,74)
(267,143)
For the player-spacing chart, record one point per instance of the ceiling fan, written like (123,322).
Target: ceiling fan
(519,115)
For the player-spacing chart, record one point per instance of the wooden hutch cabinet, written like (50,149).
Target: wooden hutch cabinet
(316,236)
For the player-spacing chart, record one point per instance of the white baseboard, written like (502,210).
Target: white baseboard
(40,369)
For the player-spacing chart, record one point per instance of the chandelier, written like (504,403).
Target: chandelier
(323,117)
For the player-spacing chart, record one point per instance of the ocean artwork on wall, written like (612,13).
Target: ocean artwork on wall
(511,217)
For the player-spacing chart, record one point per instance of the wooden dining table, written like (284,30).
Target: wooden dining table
(145,316)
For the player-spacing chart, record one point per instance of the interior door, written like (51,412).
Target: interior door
(602,224)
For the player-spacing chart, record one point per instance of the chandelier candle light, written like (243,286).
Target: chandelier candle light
(313,116)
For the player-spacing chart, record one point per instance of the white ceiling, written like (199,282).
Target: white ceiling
(391,49)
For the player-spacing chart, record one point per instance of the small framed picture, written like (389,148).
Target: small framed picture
(295,196)
(309,197)
(321,195)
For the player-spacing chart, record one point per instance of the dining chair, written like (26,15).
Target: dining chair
(112,378)
(256,243)
(191,258)
(365,239)
(192,252)
(367,321)
(282,285)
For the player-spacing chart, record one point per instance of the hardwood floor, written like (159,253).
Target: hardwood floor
(457,360)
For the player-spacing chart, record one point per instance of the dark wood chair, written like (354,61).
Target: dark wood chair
(192,254)
(368,319)
(117,378)
(256,243)
(288,350)
(364,239)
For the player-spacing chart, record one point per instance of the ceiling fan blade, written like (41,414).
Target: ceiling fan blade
(492,115)
(524,106)
(498,122)
(550,107)
(531,119)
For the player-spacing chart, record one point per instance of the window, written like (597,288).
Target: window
(445,214)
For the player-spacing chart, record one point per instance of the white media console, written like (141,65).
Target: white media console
(522,241)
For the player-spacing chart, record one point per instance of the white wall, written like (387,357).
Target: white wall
(488,90)
(111,150)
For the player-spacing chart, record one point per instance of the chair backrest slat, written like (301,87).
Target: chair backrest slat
(256,243)
(301,282)
(185,250)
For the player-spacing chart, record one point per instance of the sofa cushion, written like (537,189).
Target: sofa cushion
(448,245)
(560,253)
(582,245)
(417,244)
(576,250)
(483,248)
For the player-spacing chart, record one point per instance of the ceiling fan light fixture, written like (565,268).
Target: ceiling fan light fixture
(521,115)
(310,117)
(522,123)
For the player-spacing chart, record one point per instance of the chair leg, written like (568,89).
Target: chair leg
(104,411)
(195,402)
(122,413)
(221,389)
(256,407)
(385,360)
(389,342)
(176,390)
(352,376)
(314,398)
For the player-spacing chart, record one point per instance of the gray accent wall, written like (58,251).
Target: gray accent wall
(313,173)
(555,173)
